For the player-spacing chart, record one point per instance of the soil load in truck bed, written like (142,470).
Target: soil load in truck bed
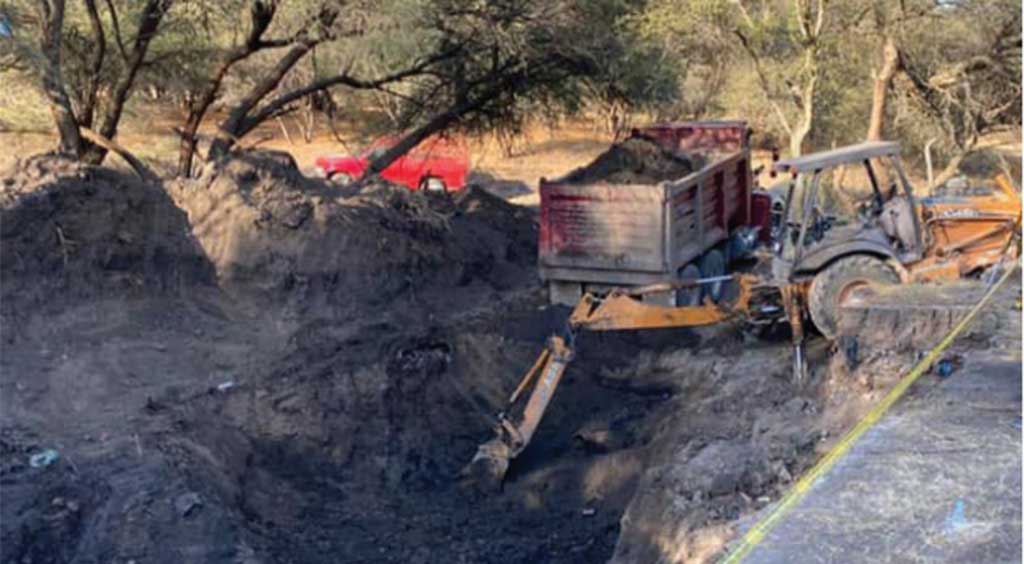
(637,160)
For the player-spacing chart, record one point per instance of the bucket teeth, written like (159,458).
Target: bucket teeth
(486,471)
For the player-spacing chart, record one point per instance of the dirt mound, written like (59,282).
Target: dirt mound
(911,319)
(637,160)
(302,242)
(71,232)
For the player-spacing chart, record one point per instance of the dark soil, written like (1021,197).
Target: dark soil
(80,233)
(304,245)
(254,367)
(637,160)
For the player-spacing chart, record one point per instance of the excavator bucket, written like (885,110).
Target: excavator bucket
(489,465)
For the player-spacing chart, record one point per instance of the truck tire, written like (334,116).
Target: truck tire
(433,185)
(832,286)
(712,264)
(561,292)
(340,179)
(688,296)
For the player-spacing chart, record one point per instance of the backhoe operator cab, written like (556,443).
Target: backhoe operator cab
(823,240)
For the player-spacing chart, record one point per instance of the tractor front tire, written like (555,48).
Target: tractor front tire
(833,286)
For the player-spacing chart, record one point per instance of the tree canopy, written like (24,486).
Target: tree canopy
(807,73)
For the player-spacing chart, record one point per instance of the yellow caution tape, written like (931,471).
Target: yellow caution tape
(792,498)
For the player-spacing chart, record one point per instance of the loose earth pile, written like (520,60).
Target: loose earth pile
(637,160)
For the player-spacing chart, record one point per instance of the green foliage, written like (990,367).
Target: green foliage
(671,59)
(562,66)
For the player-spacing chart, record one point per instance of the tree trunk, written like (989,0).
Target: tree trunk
(197,110)
(88,108)
(149,23)
(410,141)
(187,147)
(236,125)
(883,82)
(52,30)
(796,140)
(261,14)
(806,122)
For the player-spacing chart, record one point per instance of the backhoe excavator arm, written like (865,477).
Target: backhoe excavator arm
(619,310)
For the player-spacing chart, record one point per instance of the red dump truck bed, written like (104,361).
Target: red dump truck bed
(598,235)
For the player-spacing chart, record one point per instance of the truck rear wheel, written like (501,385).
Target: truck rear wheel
(836,283)
(688,296)
(712,264)
(562,292)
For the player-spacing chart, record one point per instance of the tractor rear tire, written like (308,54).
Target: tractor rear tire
(833,285)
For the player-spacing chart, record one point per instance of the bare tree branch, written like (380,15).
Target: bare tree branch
(141,169)
(92,85)
(276,105)
(762,79)
(149,22)
(117,29)
(261,14)
(51,22)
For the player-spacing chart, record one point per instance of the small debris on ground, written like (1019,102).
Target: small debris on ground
(44,458)
(225,386)
(948,365)
(187,503)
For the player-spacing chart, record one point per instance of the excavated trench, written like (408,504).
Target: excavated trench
(281,373)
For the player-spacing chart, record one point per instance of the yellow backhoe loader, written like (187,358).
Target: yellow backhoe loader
(812,264)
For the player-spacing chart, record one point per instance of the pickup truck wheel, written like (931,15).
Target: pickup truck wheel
(835,285)
(340,179)
(712,264)
(432,185)
(688,296)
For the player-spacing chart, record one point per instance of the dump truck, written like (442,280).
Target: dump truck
(598,235)
(820,250)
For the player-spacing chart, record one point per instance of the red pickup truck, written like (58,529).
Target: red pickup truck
(437,165)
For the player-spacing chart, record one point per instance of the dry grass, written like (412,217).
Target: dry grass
(541,152)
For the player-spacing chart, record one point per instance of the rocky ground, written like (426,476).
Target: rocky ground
(256,367)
